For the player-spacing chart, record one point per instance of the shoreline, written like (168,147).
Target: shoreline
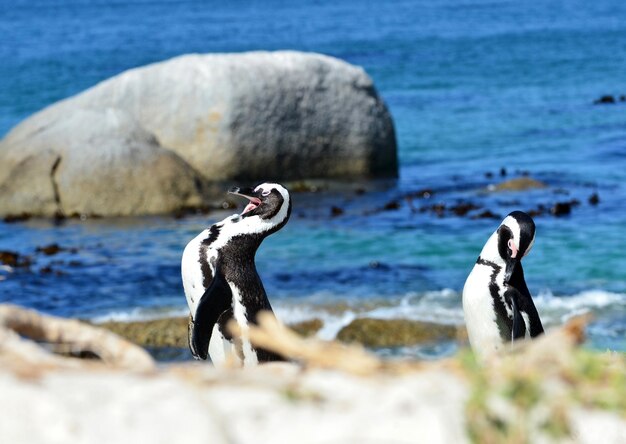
(165,336)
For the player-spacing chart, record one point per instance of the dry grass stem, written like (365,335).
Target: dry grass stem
(72,336)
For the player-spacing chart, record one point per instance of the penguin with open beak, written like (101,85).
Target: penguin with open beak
(220,278)
(497,304)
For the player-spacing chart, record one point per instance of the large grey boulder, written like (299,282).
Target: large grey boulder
(154,139)
(95,162)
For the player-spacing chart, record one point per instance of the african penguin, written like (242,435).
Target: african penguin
(220,277)
(497,305)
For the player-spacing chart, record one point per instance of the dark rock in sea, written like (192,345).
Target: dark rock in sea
(594,199)
(392,205)
(52,249)
(604,100)
(502,172)
(9,258)
(49,250)
(49,270)
(439,209)
(561,209)
(13,218)
(376,333)
(487,214)
(336,211)
(489,175)
(13,259)
(463,208)
(535,212)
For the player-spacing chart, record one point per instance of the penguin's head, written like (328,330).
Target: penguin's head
(513,240)
(268,209)
(516,236)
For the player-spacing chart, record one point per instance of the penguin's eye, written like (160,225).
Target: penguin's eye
(266,193)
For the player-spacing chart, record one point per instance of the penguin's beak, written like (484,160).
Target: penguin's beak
(249,194)
(511,263)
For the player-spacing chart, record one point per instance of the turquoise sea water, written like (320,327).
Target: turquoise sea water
(473,86)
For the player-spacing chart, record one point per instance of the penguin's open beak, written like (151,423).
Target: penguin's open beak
(249,194)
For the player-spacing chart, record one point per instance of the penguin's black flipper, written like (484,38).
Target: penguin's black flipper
(525,302)
(215,300)
(519,327)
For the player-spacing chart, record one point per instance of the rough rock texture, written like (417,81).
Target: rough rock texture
(94,162)
(396,332)
(172,332)
(150,139)
(263,405)
(518,184)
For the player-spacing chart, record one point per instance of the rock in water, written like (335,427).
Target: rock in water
(518,184)
(377,333)
(156,138)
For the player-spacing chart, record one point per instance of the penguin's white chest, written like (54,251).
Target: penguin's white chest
(480,315)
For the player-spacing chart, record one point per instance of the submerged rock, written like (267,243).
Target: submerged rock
(172,332)
(13,259)
(168,332)
(486,214)
(604,100)
(373,333)
(518,184)
(52,249)
(376,333)
(307,328)
(561,209)
(154,139)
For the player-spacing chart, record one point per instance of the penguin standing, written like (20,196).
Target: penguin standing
(220,277)
(497,305)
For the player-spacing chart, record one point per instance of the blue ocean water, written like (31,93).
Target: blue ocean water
(474,86)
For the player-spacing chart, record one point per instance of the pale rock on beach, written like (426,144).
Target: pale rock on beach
(543,391)
(155,138)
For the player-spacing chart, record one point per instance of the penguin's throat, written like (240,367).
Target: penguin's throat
(253,204)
